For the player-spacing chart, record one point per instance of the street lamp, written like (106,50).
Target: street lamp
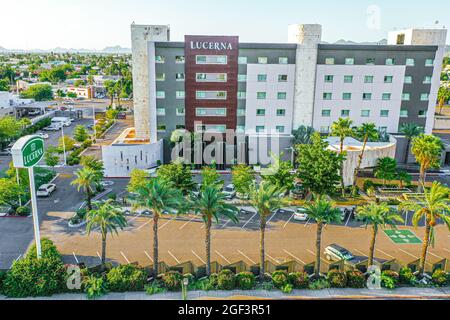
(64,144)
(93,116)
(184,288)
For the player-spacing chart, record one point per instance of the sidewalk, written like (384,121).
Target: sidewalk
(398,294)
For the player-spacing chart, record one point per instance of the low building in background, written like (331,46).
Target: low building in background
(82,92)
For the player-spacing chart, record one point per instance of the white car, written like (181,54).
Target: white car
(42,135)
(300,215)
(46,190)
(229,192)
(68,123)
(53,127)
(106,184)
(34,112)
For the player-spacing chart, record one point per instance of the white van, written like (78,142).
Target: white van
(66,122)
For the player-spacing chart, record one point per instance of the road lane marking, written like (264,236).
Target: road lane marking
(148,256)
(184,225)
(243,227)
(165,224)
(298,259)
(386,254)
(285,225)
(410,254)
(171,254)
(198,257)
(125,257)
(245,256)
(139,228)
(220,255)
(75,256)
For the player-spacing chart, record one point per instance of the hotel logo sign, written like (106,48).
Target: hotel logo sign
(211,45)
(28,151)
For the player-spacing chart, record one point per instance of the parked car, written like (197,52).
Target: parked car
(53,127)
(42,135)
(107,183)
(34,112)
(46,190)
(229,192)
(335,252)
(301,215)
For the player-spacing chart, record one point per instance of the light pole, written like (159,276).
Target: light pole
(93,116)
(64,145)
(185,284)
(18,183)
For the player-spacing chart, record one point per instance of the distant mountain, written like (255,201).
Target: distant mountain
(110,50)
(349,42)
(116,49)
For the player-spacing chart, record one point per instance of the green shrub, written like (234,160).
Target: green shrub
(2,278)
(126,278)
(226,280)
(87,144)
(368,184)
(388,282)
(23,211)
(48,249)
(245,280)
(214,279)
(392,274)
(95,287)
(356,279)
(406,276)
(337,279)
(280,279)
(299,280)
(440,278)
(172,280)
(319,284)
(154,288)
(287,288)
(204,284)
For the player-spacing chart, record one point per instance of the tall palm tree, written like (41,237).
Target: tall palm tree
(410,130)
(158,197)
(428,150)
(87,179)
(378,216)
(323,212)
(109,219)
(265,199)
(367,132)
(210,204)
(342,129)
(434,206)
(443,97)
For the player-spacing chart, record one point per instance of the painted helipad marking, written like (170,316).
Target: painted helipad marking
(220,255)
(243,227)
(75,256)
(171,254)
(435,255)
(198,257)
(386,254)
(273,259)
(410,254)
(298,259)
(148,256)
(184,225)
(149,221)
(285,225)
(125,257)
(99,256)
(245,256)
(165,224)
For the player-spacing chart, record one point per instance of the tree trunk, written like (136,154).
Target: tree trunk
(342,170)
(155,243)
(422,179)
(103,251)
(372,245)
(88,199)
(262,253)
(318,248)
(426,243)
(408,146)
(441,105)
(361,156)
(208,247)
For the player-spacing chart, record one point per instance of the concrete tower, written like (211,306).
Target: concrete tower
(144,87)
(307,37)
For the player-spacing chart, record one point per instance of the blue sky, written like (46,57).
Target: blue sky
(95,24)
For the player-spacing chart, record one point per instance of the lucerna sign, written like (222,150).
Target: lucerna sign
(199,45)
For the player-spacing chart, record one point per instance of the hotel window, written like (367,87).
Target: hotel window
(384,113)
(242,95)
(329,61)
(210,59)
(180,94)
(262,60)
(240,128)
(429,63)
(160,59)
(260,112)
(211,95)
(160,111)
(345,113)
(260,129)
(388,79)
(427,80)
(180,126)
(386,96)
(281,95)
(160,77)
(211,112)
(211,77)
(349,60)
(403,113)
(180,77)
(424,97)
(282,78)
(262,77)
(422,114)
(329,79)
(179,59)
(240,112)
(242,77)
(370,61)
(408,79)
(215,128)
(390,62)
(406,96)
(261,95)
(161,128)
(281,112)
(326,113)
(367,96)
(242,60)
(368,79)
(283,60)
(365,113)
(160,94)
(280,129)
(327,96)
(348,79)
(181,111)
(346,96)
(410,62)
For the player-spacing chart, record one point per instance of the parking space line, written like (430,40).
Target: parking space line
(410,254)
(406,219)
(75,256)
(271,258)
(125,257)
(184,225)
(148,256)
(447,250)
(285,225)
(243,227)
(220,255)
(307,222)
(226,223)
(98,255)
(298,259)
(348,219)
(435,255)
(360,252)
(198,257)
(139,228)
(273,216)
(315,255)
(245,256)
(171,254)
(386,254)
(165,224)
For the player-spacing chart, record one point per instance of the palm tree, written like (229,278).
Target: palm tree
(158,197)
(434,206)
(386,169)
(210,204)
(410,130)
(87,179)
(377,215)
(265,199)
(443,97)
(303,135)
(342,129)
(367,132)
(108,218)
(428,150)
(403,177)
(323,212)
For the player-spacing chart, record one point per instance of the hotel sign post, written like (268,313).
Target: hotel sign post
(26,153)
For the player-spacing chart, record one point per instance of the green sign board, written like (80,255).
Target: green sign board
(402,237)
(33,152)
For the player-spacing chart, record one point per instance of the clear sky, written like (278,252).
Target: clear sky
(95,24)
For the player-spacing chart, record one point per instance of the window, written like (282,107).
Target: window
(211,95)
(388,79)
(180,126)
(160,77)
(242,95)
(180,111)
(283,60)
(403,113)
(348,79)
(211,112)
(282,78)
(240,128)
(240,112)
(211,77)
(281,112)
(410,62)
(429,63)
(370,61)
(408,79)
(422,114)
(262,77)
(329,61)
(242,60)
(221,128)
(262,60)
(160,59)
(346,96)
(401,38)
(367,96)
(427,80)
(368,79)
(390,62)
(260,129)
(406,96)
(424,97)
(365,113)
(349,60)
(345,113)
(386,96)
(160,111)
(329,78)
(327,96)
(260,112)
(326,113)
(280,129)
(161,128)
(242,77)
(384,113)
(180,94)
(160,94)
(281,95)
(180,76)
(210,59)
(261,95)
(325,129)
(179,59)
